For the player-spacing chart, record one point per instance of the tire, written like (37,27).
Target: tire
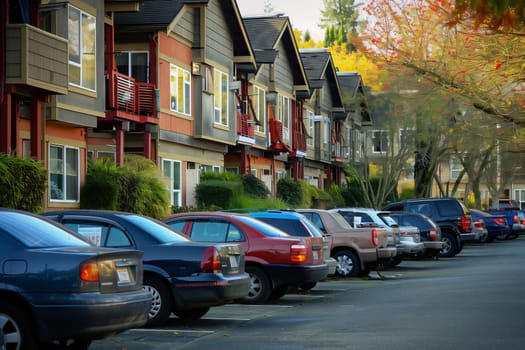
(260,286)
(366,271)
(161,301)
(16,327)
(512,236)
(398,259)
(503,237)
(191,314)
(278,293)
(348,264)
(450,248)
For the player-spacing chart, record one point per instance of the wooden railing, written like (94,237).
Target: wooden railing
(125,94)
(244,128)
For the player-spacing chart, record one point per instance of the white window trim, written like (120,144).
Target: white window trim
(64,184)
(80,65)
(175,71)
(260,105)
(219,95)
(174,193)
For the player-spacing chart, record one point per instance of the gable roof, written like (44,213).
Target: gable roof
(319,67)
(351,85)
(265,34)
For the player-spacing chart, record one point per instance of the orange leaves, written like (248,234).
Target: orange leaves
(497,65)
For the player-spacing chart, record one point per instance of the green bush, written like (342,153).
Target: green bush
(23,182)
(336,196)
(246,201)
(101,188)
(254,186)
(223,176)
(218,193)
(289,191)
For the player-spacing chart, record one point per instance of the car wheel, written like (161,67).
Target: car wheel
(365,272)
(191,314)
(260,287)
(308,286)
(348,264)
(398,259)
(512,236)
(161,302)
(450,246)
(15,328)
(278,292)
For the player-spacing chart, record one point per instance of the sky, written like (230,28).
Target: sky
(304,14)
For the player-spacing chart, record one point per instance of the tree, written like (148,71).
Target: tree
(340,17)
(495,14)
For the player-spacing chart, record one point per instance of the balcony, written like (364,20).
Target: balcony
(276,137)
(130,100)
(245,129)
(299,141)
(36,58)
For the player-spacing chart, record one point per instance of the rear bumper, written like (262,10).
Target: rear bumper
(410,247)
(518,229)
(332,265)
(386,253)
(433,245)
(282,275)
(90,315)
(209,290)
(471,236)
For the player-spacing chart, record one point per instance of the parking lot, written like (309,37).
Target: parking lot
(444,304)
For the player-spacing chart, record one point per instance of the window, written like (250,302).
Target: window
(109,155)
(134,64)
(310,128)
(172,170)
(326,130)
(519,194)
(210,168)
(407,138)
(283,115)
(180,87)
(220,97)
(82,49)
(63,173)
(455,168)
(259,104)
(379,141)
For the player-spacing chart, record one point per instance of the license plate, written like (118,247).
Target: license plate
(316,255)
(233,262)
(123,276)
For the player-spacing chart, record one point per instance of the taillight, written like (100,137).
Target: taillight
(516,219)
(478,224)
(89,272)
(298,253)
(465,223)
(375,238)
(500,221)
(432,234)
(211,261)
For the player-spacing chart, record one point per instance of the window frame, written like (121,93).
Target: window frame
(180,79)
(64,160)
(175,193)
(80,63)
(221,97)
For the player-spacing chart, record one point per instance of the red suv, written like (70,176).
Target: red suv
(274,260)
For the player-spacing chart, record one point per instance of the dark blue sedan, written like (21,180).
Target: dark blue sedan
(184,277)
(496,224)
(56,287)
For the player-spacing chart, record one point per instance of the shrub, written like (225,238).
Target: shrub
(217,193)
(289,191)
(100,190)
(254,186)
(23,182)
(245,201)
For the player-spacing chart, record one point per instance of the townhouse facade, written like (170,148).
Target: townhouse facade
(189,84)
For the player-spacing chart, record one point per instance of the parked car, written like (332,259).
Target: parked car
(429,231)
(513,217)
(366,217)
(56,287)
(274,259)
(479,228)
(356,250)
(495,225)
(452,216)
(296,224)
(183,277)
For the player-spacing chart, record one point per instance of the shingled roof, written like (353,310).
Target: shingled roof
(351,84)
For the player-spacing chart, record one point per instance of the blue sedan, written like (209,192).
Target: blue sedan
(496,224)
(57,288)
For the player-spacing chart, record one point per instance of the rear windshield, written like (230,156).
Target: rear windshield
(34,232)
(160,231)
(292,227)
(262,227)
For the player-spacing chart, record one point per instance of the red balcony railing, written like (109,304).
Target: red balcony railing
(244,128)
(125,94)
(299,140)
(276,131)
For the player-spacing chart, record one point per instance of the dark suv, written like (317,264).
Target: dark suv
(449,214)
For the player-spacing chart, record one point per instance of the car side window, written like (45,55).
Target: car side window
(117,238)
(177,225)
(316,219)
(209,231)
(234,234)
(95,232)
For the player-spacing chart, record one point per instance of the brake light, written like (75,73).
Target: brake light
(478,224)
(298,253)
(375,238)
(500,221)
(89,272)
(465,223)
(432,234)
(516,219)
(211,261)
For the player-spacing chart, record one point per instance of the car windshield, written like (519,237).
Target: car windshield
(34,232)
(387,219)
(262,227)
(162,232)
